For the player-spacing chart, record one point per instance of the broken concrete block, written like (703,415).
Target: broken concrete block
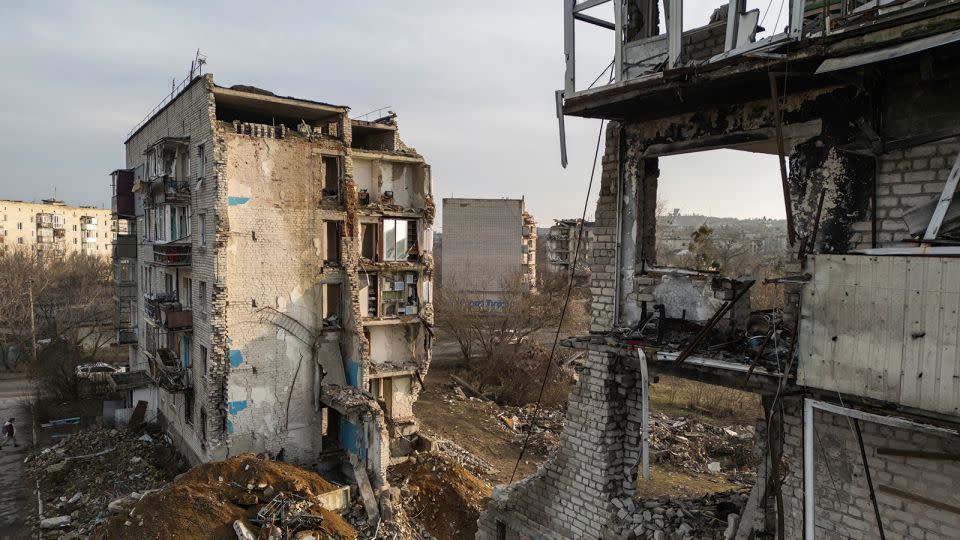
(714,467)
(243,532)
(55,522)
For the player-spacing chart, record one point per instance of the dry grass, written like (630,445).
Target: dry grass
(711,404)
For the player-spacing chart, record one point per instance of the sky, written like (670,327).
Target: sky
(472,83)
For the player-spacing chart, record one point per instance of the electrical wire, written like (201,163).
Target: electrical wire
(563,311)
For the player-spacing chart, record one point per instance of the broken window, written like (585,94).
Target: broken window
(203,425)
(203,359)
(202,219)
(400,294)
(331,177)
(188,407)
(332,255)
(399,239)
(368,283)
(203,297)
(369,243)
(331,305)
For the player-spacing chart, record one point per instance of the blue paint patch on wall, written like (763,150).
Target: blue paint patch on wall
(237,201)
(349,437)
(236,358)
(234,407)
(353,374)
(229,426)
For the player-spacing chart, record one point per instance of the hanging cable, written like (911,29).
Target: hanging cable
(563,311)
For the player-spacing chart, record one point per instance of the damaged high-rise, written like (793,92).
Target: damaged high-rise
(279,294)
(860,376)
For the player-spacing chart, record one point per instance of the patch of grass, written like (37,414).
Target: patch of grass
(712,404)
(672,482)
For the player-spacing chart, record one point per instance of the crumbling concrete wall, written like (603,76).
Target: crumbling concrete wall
(843,507)
(274,256)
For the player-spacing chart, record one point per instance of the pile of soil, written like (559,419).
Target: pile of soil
(440,495)
(79,475)
(204,502)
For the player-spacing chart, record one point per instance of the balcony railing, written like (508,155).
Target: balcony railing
(167,190)
(167,312)
(168,371)
(171,254)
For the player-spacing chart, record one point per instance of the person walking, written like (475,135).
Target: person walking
(9,434)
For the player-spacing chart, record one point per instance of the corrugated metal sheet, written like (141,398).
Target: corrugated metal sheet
(884,328)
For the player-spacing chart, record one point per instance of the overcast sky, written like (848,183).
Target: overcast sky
(472,83)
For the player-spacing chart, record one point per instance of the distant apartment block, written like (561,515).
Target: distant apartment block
(277,274)
(488,244)
(562,253)
(53,227)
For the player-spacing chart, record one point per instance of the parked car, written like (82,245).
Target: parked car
(97,372)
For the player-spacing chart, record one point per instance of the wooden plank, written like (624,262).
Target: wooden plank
(893,421)
(917,498)
(929,369)
(913,325)
(895,270)
(950,367)
(919,454)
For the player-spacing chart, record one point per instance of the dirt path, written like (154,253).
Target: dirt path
(15,495)
(473,425)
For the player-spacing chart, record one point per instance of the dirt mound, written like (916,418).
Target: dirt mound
(441,495)
(204,502)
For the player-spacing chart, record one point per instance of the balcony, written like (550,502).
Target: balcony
(167,312)
(905,353)
(126,336)
(169,373)
(166,189)
(175,253)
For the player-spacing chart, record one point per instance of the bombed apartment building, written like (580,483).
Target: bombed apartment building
(860,373)
(277,277)
(563,255)
(489,247)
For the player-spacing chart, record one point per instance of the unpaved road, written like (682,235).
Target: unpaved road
(15,495)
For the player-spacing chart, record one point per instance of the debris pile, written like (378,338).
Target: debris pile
(440,496)
(544,430)
(84,472)
(715,516)
(702,448)
(248,497)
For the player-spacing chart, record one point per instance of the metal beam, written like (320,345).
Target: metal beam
(674,32)
(796,18)
(595,21)
(587,4)
(734,9)
(617,40)
(946,197)
(781,151)
(570,76)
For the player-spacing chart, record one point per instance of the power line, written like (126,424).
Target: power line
(566,302)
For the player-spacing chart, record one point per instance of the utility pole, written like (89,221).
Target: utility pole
(33,321)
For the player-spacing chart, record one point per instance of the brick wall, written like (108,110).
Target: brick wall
(906,178)
(843,507)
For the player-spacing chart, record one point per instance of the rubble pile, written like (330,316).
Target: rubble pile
(544,430)
(440,496)
(715,516)
(703,448)
(248,497)
(695,446)
(80,475)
